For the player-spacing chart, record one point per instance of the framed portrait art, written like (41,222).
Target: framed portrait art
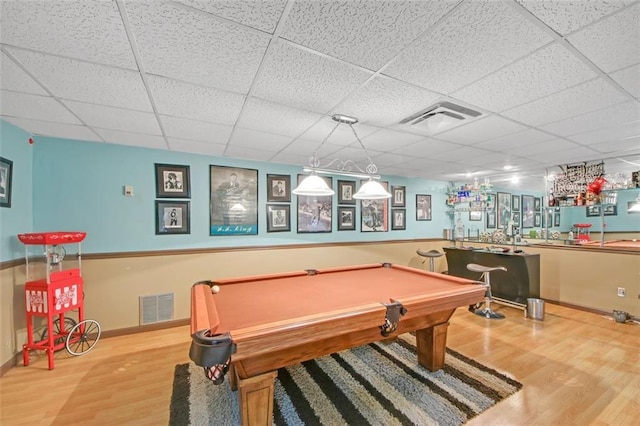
(233,194)
(6,178)
(278,217)
(528,210)
(398,195)
(423,207)
(315,212)
(398,219)
(375,213)
(475,211)
(278,188)
(593,211)
(504,209)
(346,189)
(346,218)
(491,220)
(172,217)
(172,181)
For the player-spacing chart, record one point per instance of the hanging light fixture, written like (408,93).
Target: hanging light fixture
(314,185)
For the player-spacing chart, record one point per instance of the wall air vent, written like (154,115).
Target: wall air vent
(156,308)
(441,116)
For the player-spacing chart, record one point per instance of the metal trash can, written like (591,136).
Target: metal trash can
(535,309)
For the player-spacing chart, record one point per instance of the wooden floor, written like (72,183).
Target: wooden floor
(578,368)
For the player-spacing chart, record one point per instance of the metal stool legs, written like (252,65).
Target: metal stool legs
(486,312)
(431,255)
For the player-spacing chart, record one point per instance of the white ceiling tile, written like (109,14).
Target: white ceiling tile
(197,48)
(608,134)
(389,140)
(260,140)
(389,159)
(194,147)
(525,144)
(289,71)
(426,147)
(524,137)
(88,30)
(631,144)
(612,43)
(274,118)
(248,153)
(186,100)
(15,79)
(384,101)
(290,158)
(115,118)
(56,130)
(133,139)
(306,148)
(471,42)
(82,81)
(569,15)
(36,107)
(586,97)
(480,130)
(542,73)
(342,134)
(565,156)
(629,79)
(361,31)
(612,116)
(182,128)
(260,14)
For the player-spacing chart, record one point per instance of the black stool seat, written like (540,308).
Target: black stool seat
(487,312)
(431,255)
(474,267)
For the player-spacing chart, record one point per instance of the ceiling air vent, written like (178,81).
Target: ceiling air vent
(441,116)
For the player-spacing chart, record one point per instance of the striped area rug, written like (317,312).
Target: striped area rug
(376,384)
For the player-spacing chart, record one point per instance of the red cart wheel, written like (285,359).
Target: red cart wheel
(83,337)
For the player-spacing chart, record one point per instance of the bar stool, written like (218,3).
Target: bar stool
(431,255)
(486,270)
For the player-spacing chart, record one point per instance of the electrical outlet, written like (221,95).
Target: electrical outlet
(622,292)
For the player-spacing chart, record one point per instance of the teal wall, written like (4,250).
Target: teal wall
(14,146)
(622,221)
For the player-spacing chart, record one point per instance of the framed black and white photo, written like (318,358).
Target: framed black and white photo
(6,179)
(346,189)
(172,181)
(491,220)
(593,211)
(234,201)
(610,210)
(515,203)
(423,207)
(528,211)
(515,216)
(537,204)
(398,219)
(375,213)
(346,218)
(475,211)
(556,219)
(398,196)
(278,217)
(537,220)
(504,209)
(278,188)
(315,213)
(172,217)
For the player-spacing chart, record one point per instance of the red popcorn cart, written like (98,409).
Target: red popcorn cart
(54,292)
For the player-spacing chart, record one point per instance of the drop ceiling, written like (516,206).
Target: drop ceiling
(555,82)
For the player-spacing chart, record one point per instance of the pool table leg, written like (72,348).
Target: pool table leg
(256,399)
(432,344)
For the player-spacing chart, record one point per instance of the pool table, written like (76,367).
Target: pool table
(255,325)
(619,244)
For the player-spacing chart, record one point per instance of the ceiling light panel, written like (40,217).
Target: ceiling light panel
(471,41)
(35,107)
(542,73)
(82,81)
(612,43)
(274,118)
(260,14)
(56,130)
(186,100)
(14,78)
(75,29)
(289,71)
(198,49)
(115,118)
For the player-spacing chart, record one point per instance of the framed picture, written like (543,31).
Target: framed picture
(172,217)
(504,209)
(631,204)
(610,210)
(491,202)
(278,188)
(278,217)
(491,220)
(375,213)
(172,181)
(234,201)
(515,203)
(398,193)
(475,211)
(515,216)
(556,219)
(593,211)
(537,220)
(423,207)
(315,213)
(537,204)
(346,218)
(346,189)
(528,210)
(398,219)
(6,178)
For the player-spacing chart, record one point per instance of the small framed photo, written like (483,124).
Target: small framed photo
(346,189)
(423,207)
(537,220)
(278,217)
(399,193)
(475,211)
(610,210)
(537,203)
(556,219)
(398,219)
(346,218)
(491,220)
(516,219)
(593,211)
(172,181)
(515,203)
(278,188)
(172,217)
(6,177)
